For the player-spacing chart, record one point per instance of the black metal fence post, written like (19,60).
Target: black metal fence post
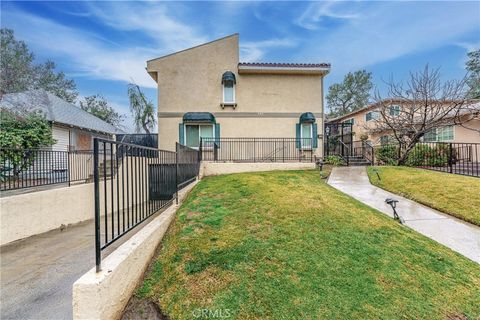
(96,178)
(450,157)
(176,173)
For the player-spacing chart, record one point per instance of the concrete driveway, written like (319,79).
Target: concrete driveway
(456,234)
(37,273)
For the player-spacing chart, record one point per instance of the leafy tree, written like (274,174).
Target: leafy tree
(352,94)
(473,79)
(98,106)
(143,110)
(22,132)
(19,72)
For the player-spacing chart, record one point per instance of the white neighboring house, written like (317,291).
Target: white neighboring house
(72,128)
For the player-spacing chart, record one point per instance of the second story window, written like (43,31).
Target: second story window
(228,83)
(372,115)
(394,110)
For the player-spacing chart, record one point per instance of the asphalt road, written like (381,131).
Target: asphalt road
(37,273)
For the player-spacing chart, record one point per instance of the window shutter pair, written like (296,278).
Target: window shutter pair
(298,135)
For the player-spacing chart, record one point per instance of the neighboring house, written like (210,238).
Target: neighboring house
(72,127)
(362,121)
(205,91)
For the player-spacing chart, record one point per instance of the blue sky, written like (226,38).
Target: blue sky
(104,45)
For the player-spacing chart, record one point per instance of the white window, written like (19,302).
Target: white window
(193,133)
(439,134)
(351,121)
(306,135)
(372,115)
(228,92)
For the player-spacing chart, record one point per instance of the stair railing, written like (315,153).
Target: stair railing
(345,154)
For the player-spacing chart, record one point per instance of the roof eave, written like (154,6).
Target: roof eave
(245,69)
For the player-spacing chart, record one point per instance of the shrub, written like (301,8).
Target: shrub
(387,154)
(334,160)
(425,155)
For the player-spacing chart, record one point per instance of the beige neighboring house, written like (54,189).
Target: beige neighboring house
(363,119)
(205,91)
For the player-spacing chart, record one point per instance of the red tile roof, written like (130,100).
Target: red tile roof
(285,65)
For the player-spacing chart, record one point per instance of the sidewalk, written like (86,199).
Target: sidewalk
(459,236)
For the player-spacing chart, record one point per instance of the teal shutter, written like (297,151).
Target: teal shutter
(217,134)
(181,133)
(297,135)
(315,138)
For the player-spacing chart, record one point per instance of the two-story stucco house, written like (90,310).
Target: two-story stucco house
(363,121)
(206,92)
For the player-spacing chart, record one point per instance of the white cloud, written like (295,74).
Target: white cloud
(255,50)
(152,19)
(97,57)
(389,30)
(316,12)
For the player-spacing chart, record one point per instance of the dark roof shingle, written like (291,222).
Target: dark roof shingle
(56,110)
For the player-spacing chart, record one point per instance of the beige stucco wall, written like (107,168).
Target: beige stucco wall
(29,214)
(238,127)
(190,81)
(25,215)
(461,134)
(218,168)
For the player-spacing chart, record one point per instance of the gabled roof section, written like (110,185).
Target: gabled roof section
(200,45)
(153,73)
(56,110)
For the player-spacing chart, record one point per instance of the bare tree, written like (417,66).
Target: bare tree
(425,103)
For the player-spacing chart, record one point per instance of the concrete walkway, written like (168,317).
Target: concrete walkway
(459,236)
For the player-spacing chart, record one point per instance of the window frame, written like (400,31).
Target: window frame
(396,110)
(198,125)
(437,134)
(372,115)
(351,121)
(302,146)
(223,94)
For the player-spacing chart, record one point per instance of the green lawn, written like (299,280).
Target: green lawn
(285,245)
(450,193)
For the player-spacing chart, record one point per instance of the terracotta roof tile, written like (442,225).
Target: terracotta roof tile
(285,65)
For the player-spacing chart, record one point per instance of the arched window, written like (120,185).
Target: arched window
(228,82)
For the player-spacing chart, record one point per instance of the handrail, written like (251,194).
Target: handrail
(345,147)
(367,146)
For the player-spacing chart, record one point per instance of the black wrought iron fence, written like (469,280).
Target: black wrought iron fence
(134,184)
(27,168)
(257,149)
(457,158)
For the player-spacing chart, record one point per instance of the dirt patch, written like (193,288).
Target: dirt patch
(139,309)
(457,316)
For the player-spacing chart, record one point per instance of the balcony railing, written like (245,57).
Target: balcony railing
(257,149)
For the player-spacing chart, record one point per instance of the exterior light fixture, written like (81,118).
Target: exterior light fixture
(393,203)
(378,175)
